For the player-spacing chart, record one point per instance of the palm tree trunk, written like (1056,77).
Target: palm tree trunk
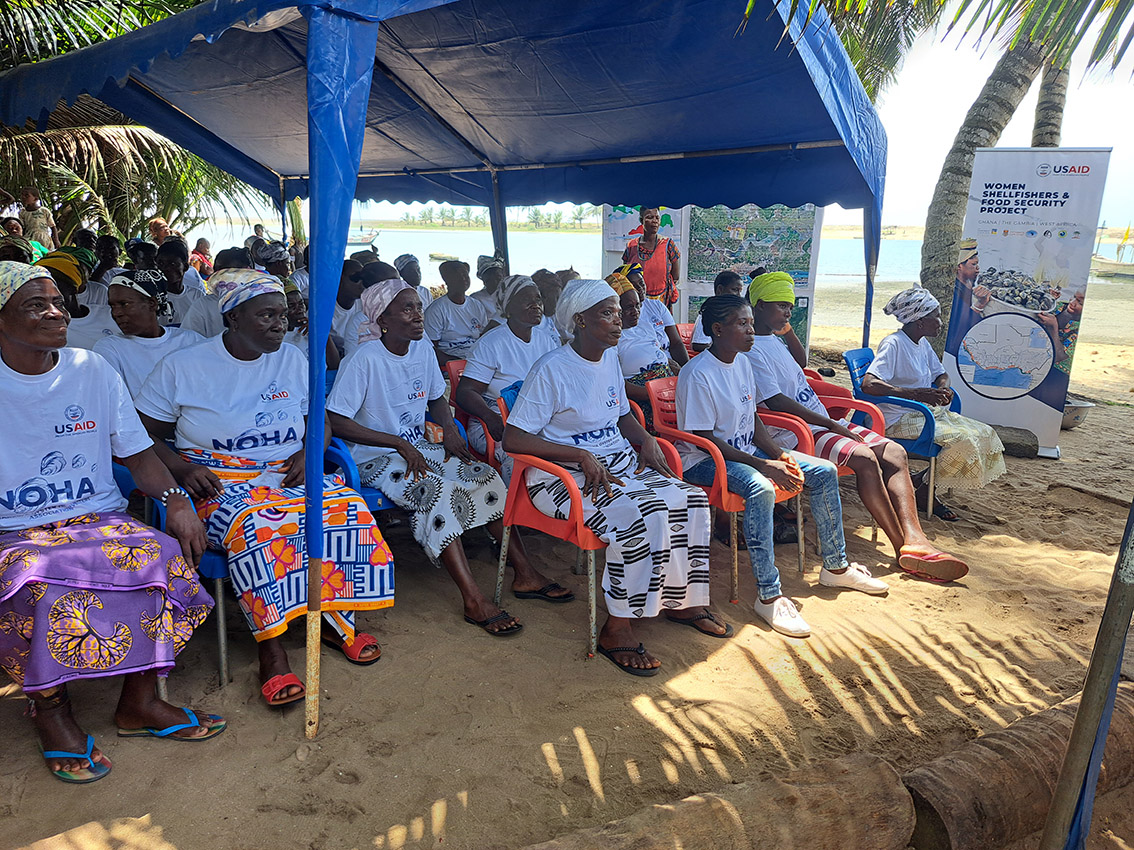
(986,119)
(1048,125)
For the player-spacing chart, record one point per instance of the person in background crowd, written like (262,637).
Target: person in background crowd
(173,262)
(204,316)
(275,258)
(159,230)
(346,301)
(659,257)
(726,283)
(379,403)
(409,269)
(249,484)
(37,221)
(258,231)
(640,354)
(297,326)
(654,314)
(906,366)
(86,591)
(108,252)
(16,249)
(365,256)
(94,292)
(88,324)
(301,277)
(142,254)
(14,228)
(499,359)
(565,276)
(141,341)
(370,274)
(715,402)
(455,321)
(84,238)
(549,290)
(490,270)
(201,257)
(572,410)
(882,473)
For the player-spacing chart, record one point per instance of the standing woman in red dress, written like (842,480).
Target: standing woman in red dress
(659,257)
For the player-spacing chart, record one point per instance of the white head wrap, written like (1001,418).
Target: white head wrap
(512,284)
(374,301)
(909,305)
(579,296)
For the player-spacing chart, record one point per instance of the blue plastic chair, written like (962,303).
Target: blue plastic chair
(858,360)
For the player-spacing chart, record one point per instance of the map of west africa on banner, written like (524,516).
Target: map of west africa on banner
(1021,283)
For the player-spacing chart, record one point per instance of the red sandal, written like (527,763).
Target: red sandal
(933,566)
(276,684)
(353,650)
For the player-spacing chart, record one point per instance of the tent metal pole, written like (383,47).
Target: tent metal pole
(499,221)
(283,212)
(1070,790)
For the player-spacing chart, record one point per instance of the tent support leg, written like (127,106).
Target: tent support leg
(498,221)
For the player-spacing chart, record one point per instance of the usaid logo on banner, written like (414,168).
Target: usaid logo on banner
(1045,169)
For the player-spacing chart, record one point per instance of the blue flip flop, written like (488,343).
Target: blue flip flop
(214,723)
(83,775)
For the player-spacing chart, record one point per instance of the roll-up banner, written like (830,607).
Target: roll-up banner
(1021,283)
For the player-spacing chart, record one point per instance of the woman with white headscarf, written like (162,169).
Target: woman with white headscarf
(573,410)
(379,404)
(906,366)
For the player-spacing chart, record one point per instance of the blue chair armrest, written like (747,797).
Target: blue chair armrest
(955,404)
(338,455)
(923,444)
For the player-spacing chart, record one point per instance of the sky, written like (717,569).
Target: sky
(924,108)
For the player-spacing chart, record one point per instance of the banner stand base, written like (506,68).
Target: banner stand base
(1049,453)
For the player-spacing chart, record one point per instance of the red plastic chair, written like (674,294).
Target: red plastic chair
(454,369)
(520,510)
(663,397)
(685,329)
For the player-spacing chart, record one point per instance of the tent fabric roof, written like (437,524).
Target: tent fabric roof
(652,102)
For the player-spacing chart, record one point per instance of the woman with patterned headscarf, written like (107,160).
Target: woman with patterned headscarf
(906,366)
(235,408)
(379,403)
(654,314)
(86,592)
(640,353)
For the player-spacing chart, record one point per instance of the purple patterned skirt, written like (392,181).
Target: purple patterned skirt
(95,595)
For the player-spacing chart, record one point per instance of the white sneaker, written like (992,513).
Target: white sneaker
(782,616)
(855,577)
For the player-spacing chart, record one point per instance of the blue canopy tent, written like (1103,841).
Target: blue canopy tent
(486,102)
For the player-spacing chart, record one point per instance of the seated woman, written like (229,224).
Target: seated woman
(726,283)
(882,473)
(235,407)
(906,366)
(379,403)
(572,410)
(715,401)
(143,343)
(455,321)
(89,323)
(85,590)
(655,314)
(640,353)
(500,358)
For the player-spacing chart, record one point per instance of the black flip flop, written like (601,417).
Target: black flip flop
(944,512)
(691,622)
(544,593)
(513,629)
(633,671)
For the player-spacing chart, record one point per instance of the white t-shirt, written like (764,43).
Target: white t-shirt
(639,347)
(193,280)
(715,396)
(97,324)
(902,363)
(572,401)
(699,335)
(204,317)
(386,392)
(183,302)
(298,339)
(343,317)
(134,357)
(351,330)
(775,372)
(71,421)
(655,315)
(455,328)
(425,295)
(500,358)
(549,327)
(302,280)
(252,409)
(488,302)
(94,293)
(109,275)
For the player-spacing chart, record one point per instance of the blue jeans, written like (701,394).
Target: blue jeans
(821,479)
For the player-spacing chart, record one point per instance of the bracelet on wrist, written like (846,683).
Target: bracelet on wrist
(173,491)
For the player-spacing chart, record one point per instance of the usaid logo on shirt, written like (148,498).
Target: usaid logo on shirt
(745,395)
(274,393)
(75,423)
(613,400)
(418,391)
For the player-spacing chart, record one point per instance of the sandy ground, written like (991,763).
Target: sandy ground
(456,739)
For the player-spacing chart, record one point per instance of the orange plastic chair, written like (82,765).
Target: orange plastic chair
(663,397)
(520,510)
(453,371)
(685,329)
